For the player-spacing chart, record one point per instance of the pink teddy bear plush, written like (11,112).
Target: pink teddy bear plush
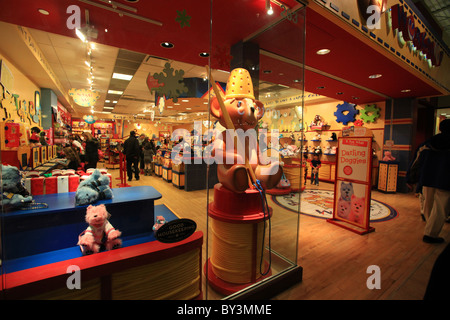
(100,233)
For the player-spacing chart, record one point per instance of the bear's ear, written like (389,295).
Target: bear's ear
(261,109)
(215,108)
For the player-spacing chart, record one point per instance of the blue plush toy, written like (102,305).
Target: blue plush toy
(14,193)
(95,187)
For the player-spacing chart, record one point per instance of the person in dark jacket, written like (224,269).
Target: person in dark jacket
(132,151)
(431,170)
(91,151)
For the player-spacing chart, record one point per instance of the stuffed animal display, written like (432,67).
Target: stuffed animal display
(100,235)
(14,194)
(94,188)
(388,156)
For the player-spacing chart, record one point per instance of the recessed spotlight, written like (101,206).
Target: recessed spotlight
(167,45)
(203,54)
(297,80)
(188,108)
(406,90)
(44,12)
(169,107)
(339,93)
(107,101)
(355,98)
(375,76)
(185,100)
(267,71)
(114,101)
(322,52)
(321,87)
(106,30)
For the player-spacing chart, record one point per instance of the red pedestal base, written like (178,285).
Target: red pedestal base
(237,207)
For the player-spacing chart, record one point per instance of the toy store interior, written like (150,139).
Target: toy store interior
(114,153)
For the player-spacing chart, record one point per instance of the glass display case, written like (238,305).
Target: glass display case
(209,69)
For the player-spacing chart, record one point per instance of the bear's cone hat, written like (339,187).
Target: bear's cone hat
(239,85)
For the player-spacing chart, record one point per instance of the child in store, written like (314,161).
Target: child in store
(315,165)
(148,154)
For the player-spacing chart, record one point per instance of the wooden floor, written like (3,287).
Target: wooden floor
(335,260)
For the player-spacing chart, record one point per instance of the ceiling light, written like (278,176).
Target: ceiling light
(107,101)
(188,108)
(204,54)
(122,76)
(114,101)
(115,92)
(169,107)
(322,52)
(406,90)
(185,100)
(106,30)
(297,80)
(108,107)
(44,12)
(167,45)
(375,76)
(177,104)
(80,35)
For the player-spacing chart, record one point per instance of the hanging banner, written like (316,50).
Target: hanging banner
(84,97)
(352,189)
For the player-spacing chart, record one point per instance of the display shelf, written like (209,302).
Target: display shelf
(38,269)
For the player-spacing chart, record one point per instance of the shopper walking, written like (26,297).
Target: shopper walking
(91,151)
(431,170)
(141,140)
(131,149)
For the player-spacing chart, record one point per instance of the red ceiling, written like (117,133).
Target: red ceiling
(350,58)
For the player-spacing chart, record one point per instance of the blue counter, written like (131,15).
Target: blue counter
(31,232)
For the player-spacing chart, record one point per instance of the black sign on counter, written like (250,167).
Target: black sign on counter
(176,230)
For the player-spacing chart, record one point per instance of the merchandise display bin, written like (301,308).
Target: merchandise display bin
(178,179)
(387,176)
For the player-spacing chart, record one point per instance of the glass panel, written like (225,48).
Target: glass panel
(172,50)
(247,245)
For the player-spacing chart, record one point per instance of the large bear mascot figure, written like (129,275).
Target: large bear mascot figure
(244,112)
